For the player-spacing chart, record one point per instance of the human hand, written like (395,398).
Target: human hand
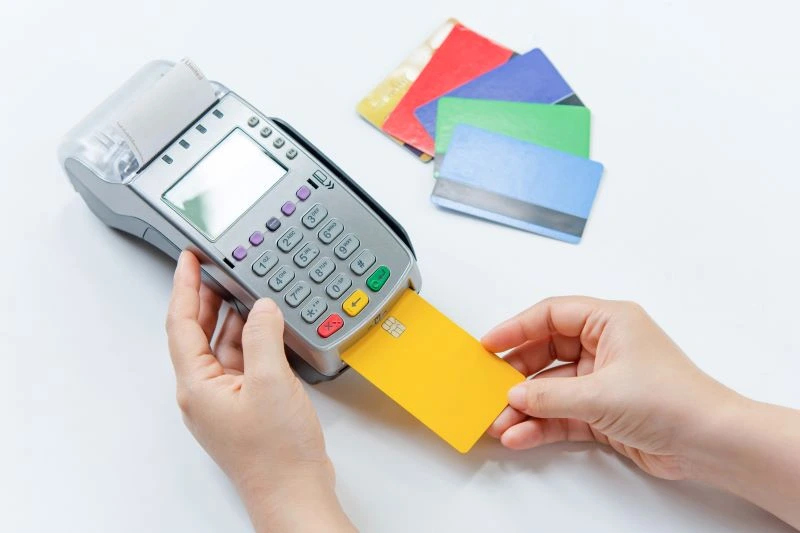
(625,384)
(246,408)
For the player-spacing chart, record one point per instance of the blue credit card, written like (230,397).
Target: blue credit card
(530,77)
(517,183)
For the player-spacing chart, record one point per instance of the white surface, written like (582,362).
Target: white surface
(696,111)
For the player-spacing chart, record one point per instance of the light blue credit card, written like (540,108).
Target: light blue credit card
(517,183)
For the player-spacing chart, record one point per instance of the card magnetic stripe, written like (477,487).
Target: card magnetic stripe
(483,203)
(529,172)
(517,183)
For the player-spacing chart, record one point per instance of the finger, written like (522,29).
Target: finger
(533,356)
(210,302)
(229,343)
(536,432)
(188,344)
(262,342)
(557,397)
(509,417)
(566,316)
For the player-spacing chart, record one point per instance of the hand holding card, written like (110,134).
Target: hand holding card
(435,370)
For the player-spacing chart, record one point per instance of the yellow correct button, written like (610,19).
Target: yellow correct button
(355,303)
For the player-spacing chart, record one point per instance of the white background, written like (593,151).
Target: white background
(695,108)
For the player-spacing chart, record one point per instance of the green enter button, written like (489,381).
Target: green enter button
(378,278)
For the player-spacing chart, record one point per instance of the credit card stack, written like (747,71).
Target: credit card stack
(509,136)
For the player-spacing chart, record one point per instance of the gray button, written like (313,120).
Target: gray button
(281,279)
(290,239)
(337,287)
(331,230)
(297,294)
(278,143)
(291,153)
(265,262)
(364,260)
(307,253)
(314,309)
(314,216)
(252,122)
(322,269)
(347,246)
(266,131)
(273,224)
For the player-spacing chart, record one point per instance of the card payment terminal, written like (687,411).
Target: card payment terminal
(185,163)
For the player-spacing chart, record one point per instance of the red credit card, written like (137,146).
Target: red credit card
(462,57)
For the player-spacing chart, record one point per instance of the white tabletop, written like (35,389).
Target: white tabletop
(695,112)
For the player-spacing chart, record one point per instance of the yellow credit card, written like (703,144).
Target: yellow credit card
(435,370)
(381,101)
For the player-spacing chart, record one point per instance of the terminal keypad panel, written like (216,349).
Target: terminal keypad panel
(308,242)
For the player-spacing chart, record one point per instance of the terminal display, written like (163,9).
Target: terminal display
(224,184)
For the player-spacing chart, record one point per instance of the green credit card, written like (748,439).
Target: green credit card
(561,127)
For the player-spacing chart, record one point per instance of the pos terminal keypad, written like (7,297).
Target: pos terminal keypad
(314,264)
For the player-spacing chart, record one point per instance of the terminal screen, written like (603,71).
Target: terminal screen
(223,185)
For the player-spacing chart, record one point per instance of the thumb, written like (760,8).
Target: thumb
(574,397)
(262,342)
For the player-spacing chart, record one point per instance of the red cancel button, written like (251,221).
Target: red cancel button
(331,325)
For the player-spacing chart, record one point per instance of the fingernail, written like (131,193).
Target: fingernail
(181,259)
(266,305)
(517,395)
(489,334)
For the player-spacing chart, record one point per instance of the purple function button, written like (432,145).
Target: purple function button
(288,208)
(303,193)
(240,253)
(256,238)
